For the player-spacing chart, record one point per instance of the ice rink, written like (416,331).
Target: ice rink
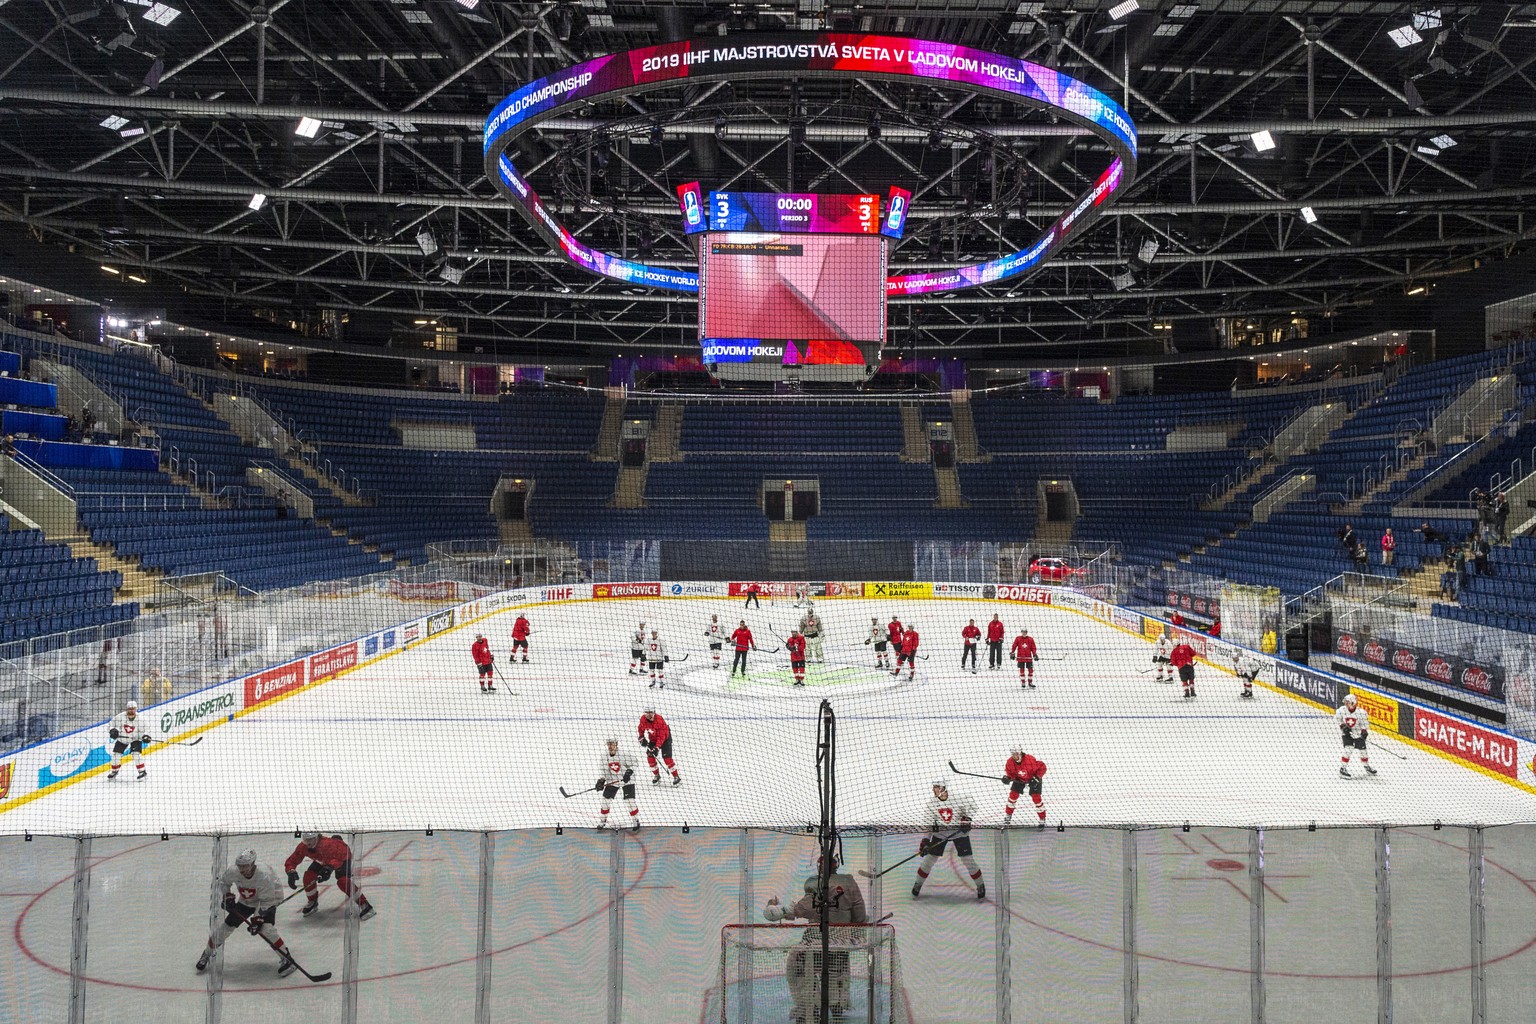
(407,744)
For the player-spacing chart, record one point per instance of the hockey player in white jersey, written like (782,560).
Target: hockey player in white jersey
(129,734)
(714,635)
(656,660)
(637,651)
(1247,666)
(811,628)
(250,893)
(802,965)
(1160,654)
(948,814)
(1355,724)
(881,640)
(618,774)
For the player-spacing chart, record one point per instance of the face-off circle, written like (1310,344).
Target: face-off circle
(826,55)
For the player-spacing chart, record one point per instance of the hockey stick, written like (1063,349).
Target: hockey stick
(510,692)
(771,650)
(1142,671)
(1378,746)
(182,743)
(289,957)
(579,792)
(1051,657)
(973,775)
(920,853)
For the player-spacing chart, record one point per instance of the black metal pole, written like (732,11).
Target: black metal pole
(826,755)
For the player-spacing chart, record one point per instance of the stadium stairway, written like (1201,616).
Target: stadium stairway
(914,440)
(967,446)
(138,580)
(608,432)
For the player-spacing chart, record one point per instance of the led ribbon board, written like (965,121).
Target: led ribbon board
(828,55)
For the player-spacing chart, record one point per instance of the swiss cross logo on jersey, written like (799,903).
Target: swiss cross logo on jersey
(945,814)
(129,728)
(615,768)
(247,895)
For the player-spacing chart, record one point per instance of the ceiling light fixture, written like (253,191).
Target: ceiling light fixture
(258,200)
(1404,36)
(1443,141)
(1123,8)
(161,14)
(308,127)
(113,122)
(1309,215)
(1262,140)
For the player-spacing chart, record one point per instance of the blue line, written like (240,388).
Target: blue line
(809,718)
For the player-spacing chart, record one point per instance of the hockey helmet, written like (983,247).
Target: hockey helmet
(310,839)
(132,705)
(246,859)
(1351,699)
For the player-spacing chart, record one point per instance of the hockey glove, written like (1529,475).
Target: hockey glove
(629,773)
(229,903)
(965,826)
(322,872)
(652,749)
(601,784)
(112,733)
(255,923)
(293,879)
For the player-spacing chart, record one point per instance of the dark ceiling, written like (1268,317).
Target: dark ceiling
(209,103)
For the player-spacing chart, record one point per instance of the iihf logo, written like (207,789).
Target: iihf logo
(898,209)
(691,208)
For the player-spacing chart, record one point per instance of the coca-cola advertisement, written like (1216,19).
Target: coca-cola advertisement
(1445,669)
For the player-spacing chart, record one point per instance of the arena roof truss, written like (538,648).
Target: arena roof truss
(1296,158)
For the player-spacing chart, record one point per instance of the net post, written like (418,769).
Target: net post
(1476,886)
(1002,896)
(215,1009)
(1383,926)
(615,929)
(80,920)
(1130,979)
(483,929)
(877,955)
(743,961)
(350,949)
(1256,887)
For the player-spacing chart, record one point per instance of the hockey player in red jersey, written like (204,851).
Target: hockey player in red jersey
(656,737)
(1020,773)
(907,652)
(520,631)
(1183,658)
(796,647)
(327,855)
(969,635)
(995,644)
(485,662)
(742,639)
(1025,652)
(893,633)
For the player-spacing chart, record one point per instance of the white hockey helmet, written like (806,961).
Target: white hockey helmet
(132,705)
(246,859)
(1351,700)
(612,742)
(310,839)
(1018,750)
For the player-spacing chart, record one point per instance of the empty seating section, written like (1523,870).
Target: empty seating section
(1500,459)
(45,589)
(1418,395)
(1504,599)
(792,427)
(220,452)
(148,394)
(550,420)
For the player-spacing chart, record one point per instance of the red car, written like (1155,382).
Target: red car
(1053,570)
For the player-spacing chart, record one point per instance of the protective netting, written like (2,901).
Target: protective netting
(778,972)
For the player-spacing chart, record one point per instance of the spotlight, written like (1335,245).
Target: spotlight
(1443,141)
(656,135)
(160,14)
(426,241)
(874,127)
(1404,36)
(1148,251)
(1124,8)
(1309,215)
(307,127)
(258,200)
(1262,140)
(1123,280)
(935,141)
(114,122)
(719,128)
(563,21)
(1426,150)
(797,133)
(451,272)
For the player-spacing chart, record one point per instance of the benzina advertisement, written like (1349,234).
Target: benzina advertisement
(274,682)
(1026,594)
(328,663)
(1490,750)
(898,589)
(1383,710)
(601,591)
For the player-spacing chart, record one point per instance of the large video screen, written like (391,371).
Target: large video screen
(791,299)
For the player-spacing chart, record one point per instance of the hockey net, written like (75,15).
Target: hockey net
(773,973)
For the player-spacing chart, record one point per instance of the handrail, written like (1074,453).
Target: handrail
(51,478)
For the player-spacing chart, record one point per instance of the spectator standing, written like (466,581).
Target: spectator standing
(1501,517)
(1347,537)
(1361,558)
(155,688)
(1388,547)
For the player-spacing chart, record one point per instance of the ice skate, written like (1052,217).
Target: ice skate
(204,960)
(143,775)
(656,779)
(634,826)
(603,823)
(1368,769)
(367,912)
(981,890)
(917,890)
(677,780)
(310,907)
(111,774)
(287,967)
(1344,771)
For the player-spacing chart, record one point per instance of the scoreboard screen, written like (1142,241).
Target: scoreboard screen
(798,212)
(792,299)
